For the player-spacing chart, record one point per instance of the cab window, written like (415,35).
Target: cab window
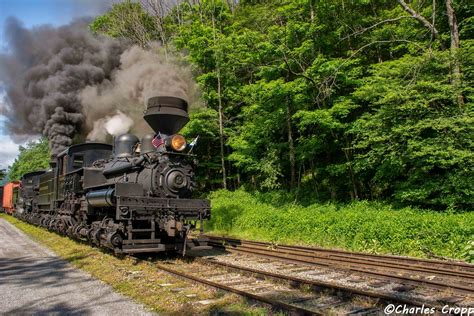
(78,161)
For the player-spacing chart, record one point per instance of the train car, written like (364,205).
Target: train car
(1,198)
(134,197)
(10,196)
(28,193)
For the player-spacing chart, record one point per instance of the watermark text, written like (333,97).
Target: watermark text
(425,310)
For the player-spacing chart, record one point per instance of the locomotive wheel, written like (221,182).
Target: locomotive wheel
(90,235)
(76,231)
(51,224)
(43,221)
(70,231)
(96,236)
(114,240)
(61,226)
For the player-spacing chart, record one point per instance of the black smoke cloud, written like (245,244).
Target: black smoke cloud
(44,73)
(63,82)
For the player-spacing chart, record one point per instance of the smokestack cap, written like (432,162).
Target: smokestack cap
(166,115)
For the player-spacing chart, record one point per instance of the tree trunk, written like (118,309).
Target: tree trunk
(419,17)
(456,68)
(221,129)
(313,175)
(209,172)
(157,8)
(221,117)
(291,146)
(354,194)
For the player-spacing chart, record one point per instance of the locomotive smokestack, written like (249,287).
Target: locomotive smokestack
(166,115)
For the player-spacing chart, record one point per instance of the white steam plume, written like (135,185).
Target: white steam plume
(142,73)
(115,125)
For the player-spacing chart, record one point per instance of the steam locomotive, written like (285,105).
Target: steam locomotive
(134,197)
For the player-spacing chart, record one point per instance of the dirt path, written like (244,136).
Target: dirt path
(35,281)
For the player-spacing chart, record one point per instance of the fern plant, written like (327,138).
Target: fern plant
(469,251)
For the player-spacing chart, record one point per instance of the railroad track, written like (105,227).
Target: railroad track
(262,287)
(391,278)
(303,280)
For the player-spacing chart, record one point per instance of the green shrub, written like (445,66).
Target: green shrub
(469,251)
(361,226)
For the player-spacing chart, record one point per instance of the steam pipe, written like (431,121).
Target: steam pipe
(101,198)
(125,167)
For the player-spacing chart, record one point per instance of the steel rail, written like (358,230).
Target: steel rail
(344,265)
(327,285)
(363,261)
(449,263)
(386,275)
(274,303)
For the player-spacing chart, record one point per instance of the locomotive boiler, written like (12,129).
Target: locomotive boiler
(134,197)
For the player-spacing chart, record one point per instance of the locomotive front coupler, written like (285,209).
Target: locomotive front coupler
(196,243)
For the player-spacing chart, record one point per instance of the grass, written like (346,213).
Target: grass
(372,227)
(139,279)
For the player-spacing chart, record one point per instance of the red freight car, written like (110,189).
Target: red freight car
(1,198)
(10,196)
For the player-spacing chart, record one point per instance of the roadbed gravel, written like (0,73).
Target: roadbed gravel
(34,281)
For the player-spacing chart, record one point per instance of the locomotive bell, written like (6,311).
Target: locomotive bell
(166,115)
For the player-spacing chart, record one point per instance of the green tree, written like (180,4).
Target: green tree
(127,20)
(414,143)
(204,125)
(33,156)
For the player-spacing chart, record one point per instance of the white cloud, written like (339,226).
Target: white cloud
(8,151)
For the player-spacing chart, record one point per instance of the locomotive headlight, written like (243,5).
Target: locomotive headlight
(178,143)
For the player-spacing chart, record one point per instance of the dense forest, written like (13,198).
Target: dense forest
(329,100)
(334,99)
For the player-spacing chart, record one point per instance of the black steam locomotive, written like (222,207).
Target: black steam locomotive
(133,197)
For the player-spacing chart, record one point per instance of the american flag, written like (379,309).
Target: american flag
(158,141)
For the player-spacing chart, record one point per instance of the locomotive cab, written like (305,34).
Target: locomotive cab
(71,162)
(81,155)
(60,188)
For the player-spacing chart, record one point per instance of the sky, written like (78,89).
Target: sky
(33,13)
